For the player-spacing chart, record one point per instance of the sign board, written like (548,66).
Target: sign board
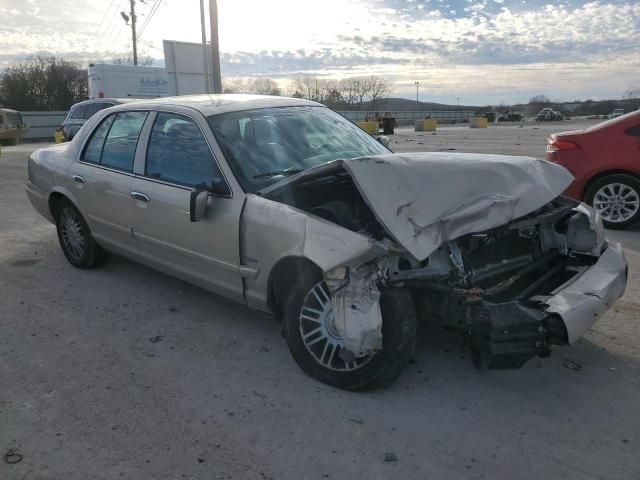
(184,65)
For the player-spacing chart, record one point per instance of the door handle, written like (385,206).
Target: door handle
(78,179)
(140,196)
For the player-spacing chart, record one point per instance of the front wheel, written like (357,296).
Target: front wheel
(617,199)
(315,344)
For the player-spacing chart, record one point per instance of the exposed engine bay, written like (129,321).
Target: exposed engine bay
(491,285)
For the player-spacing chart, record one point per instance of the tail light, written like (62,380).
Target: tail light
(556,145)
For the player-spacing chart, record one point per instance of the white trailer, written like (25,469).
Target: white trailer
(126,81)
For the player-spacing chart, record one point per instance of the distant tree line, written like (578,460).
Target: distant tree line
(353,93)
(43,83)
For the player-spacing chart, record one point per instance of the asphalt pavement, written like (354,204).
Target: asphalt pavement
(123,372)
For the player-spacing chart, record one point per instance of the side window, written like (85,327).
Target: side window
(179,153)
(93,152)
(78,112)
(120,145)
(633,131)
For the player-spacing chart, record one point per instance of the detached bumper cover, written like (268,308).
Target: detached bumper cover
(506,335)
(581,303)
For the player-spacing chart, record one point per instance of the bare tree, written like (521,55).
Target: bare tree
(143,60)
(263,86)
(378,88)
(234,85)
(43,83)
(631,93)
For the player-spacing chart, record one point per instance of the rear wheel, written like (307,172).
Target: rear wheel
(316,345)
(617,199)
(75,238)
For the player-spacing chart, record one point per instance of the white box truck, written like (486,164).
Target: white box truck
(126,81)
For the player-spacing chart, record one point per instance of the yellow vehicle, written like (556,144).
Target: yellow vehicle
(11,126)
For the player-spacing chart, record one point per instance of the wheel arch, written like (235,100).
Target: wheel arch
(282,274)
(54,198)
(605,173)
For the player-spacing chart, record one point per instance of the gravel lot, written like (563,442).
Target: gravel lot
(124,372)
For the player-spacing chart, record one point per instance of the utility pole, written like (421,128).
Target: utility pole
(133,18)
(417,84)
(215,48)
(207,87)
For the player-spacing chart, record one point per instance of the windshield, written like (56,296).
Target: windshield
(264,146)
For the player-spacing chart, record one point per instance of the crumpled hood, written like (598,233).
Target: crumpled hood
(426,199)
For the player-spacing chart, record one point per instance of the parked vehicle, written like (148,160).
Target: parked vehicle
(286,206)
(510,117)
(80,112)
(617,112)
(128,81)
(605,162)
(548,115)
(12,128)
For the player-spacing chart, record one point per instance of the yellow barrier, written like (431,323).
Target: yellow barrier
(479,122)
(58,137)
(428,125)
(372,128)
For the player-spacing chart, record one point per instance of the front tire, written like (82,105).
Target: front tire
(318,353)
(76,241)
(617,199)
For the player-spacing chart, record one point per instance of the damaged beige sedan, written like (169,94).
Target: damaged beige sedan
(287,207)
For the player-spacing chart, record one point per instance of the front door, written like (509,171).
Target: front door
(205,252)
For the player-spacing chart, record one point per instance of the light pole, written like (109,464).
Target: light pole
(417,84)
(458,102)
(205,56)
(215,47)
(133,17)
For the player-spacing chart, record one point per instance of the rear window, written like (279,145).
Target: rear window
(78,112)
(633,131)
(92,109)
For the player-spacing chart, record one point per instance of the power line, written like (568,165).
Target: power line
(154,8)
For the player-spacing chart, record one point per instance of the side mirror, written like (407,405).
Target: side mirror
(198,202)
(384,140)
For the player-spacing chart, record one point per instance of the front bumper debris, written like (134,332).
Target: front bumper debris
(506,335)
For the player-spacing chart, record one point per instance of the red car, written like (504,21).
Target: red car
(605,161)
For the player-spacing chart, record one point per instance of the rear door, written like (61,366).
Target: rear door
(179,157)
(103,179)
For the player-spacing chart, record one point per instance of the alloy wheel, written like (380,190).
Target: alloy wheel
(319,334)
(72,233)
(616,202)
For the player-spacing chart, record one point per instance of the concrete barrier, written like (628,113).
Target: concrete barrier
(428,125)
(372,128)
(479,122)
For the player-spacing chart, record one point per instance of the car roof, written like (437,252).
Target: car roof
(223,103)
(630,117)
(117,101)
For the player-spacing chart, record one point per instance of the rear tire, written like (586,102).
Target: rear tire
(76,241)
(617,199)
(398,339)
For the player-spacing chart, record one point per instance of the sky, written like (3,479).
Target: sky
(486,52)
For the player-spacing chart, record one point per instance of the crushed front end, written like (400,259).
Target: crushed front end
(517,290)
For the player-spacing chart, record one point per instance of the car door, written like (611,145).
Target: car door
(103,178)
(207,252)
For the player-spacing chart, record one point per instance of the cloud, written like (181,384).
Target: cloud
(507,46)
